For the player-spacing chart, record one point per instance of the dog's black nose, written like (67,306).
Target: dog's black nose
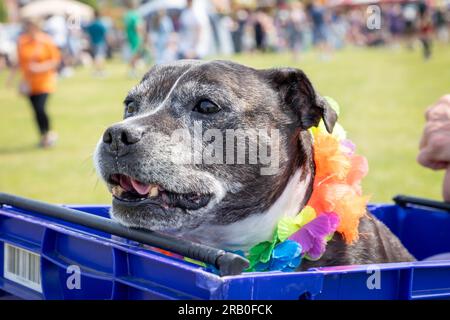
(119,137)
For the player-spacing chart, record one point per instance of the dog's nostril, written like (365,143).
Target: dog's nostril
(124,138)
(107,137)
(130,136)
(118,138)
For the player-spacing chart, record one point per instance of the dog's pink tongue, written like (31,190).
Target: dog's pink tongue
(141,188)
(125,182)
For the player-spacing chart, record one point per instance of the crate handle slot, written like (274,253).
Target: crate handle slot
(226,262)
(403,201)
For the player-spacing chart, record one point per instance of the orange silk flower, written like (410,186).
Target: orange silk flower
(337,183)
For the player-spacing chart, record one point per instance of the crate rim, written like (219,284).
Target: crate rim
(134,248)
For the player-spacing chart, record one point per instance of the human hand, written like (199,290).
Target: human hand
(435,143)
(440,111)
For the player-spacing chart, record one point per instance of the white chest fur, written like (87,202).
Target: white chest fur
(242,235)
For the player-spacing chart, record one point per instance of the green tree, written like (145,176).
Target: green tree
(92,3)
(3,13)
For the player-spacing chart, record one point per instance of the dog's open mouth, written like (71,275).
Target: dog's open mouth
(129,191)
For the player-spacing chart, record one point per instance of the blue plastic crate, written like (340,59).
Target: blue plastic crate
(116,268)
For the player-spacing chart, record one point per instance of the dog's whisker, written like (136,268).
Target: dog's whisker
(97,181)
(86,159)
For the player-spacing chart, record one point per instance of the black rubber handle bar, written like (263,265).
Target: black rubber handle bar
(403,201)
(226,262)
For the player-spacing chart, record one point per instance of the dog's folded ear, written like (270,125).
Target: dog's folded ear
(298,93)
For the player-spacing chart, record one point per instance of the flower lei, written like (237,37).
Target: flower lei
(336,205)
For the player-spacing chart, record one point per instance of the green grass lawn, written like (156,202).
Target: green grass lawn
(382,93)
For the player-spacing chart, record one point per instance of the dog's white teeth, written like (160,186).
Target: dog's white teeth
(117,191)
(154,192)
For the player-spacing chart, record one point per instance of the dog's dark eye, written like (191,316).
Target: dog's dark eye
(206,107)
(130,107)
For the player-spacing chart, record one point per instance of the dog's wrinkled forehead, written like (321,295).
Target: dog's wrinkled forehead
(158,81)
(229,84)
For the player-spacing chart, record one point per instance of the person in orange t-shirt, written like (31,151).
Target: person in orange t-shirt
(38,59)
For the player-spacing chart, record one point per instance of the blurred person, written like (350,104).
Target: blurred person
(425,29)
(282,27)
(441,24)
(8,52)
(435,142)
(396,23)
(9,66)
(134,30)
(162,37)
(74,47)
(218,28)
(265,31)
(214,22)
(356,26)
(270,29)
(56,26)
(259,31)
(318,17)
(97,35)
(409,13)
(338,30)
(110,36)
(248,36)
(240,18)
(295,24)
(38,59)
(4,61)
(115,37)
(189,32)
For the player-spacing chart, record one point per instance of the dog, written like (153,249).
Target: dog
(232,205)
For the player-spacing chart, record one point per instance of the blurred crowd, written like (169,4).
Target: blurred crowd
(46,45)
(297,27)
(162,33)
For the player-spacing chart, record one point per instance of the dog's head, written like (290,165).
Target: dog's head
(211,150)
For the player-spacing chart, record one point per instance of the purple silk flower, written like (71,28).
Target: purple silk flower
(312,236)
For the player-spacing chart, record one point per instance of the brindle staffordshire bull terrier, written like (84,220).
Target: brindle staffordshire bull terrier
(231,205)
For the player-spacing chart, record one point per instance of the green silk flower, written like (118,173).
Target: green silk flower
(289,225)
(262,252)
